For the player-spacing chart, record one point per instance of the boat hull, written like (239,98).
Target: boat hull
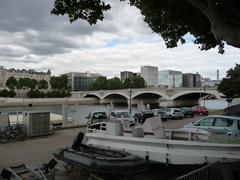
(175,152)
(123,163)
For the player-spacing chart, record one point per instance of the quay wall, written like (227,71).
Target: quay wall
(11,102)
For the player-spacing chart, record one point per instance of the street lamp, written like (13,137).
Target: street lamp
(204,91)
(130,100)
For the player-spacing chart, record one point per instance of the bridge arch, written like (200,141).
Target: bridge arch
(115,93)
(115,97)
(91,95)
(163,95)
(201,94)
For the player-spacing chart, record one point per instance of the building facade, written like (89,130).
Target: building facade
(150,75)
(5,74)
(197,80)
(170,78)
(78,81)
(126,74)
(187,80)
(191,80)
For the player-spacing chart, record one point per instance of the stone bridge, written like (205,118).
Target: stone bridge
(164,96)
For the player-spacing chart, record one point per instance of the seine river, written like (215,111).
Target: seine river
(78,112)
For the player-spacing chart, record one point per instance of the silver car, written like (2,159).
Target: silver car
(218,124)
(122,114)
(174,113)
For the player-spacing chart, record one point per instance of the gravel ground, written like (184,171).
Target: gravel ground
(39,150)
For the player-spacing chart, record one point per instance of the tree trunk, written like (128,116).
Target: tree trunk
(221,29)
(226,32)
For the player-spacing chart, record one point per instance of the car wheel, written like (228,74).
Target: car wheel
(192,116)
(181,117)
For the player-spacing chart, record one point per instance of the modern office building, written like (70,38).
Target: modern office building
(127,74)
(78,81)
(170,78)
(23,73)
(197,80)
(187,80)
(191,80)
(150,75)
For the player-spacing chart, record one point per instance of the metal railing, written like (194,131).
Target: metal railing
(198,174)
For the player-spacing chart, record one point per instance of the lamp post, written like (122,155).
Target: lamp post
(130,100)
(204,91)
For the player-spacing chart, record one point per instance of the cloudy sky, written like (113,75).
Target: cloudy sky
(31,38)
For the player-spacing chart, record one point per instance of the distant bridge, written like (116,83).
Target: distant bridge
(165,96)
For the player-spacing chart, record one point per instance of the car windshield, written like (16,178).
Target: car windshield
(185,108)
(123,114)
(100,115)
(161,112)
(148,112)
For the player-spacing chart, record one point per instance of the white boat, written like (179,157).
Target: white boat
(193,148)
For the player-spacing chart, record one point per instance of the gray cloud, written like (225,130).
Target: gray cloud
(32,38)
(44,34)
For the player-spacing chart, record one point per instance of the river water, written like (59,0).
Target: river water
(78,112)
(214,104)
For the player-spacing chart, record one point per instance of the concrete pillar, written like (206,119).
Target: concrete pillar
(101,101)
(129,101)
(65,114)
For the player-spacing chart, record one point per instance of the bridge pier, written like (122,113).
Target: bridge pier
(108,101)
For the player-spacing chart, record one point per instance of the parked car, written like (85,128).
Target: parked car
(141,116)
(187,111)
(218,124)
(174,113)
(97,116)
(118,115)
(200,110)
(162,113)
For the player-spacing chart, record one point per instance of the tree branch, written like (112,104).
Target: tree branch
(202,7)
(234,10)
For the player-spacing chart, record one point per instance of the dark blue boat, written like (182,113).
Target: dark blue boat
(99,160)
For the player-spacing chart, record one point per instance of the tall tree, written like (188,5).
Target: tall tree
(134,82)
(11,93)
(230,86)
(211,22)
(33,83)
(4,93)
(42,84)
(138,82)
(114,83)
(24,82)
(99,84)
(64,82)
(11,83)
(59,82)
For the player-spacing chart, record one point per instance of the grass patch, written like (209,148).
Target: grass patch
(216,112)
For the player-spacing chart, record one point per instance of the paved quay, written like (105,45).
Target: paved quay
(35,151)
(39,150)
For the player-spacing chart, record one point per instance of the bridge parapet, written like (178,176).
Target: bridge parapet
(165,93)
